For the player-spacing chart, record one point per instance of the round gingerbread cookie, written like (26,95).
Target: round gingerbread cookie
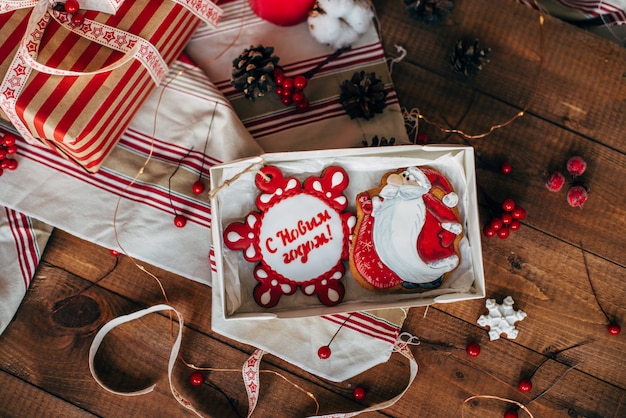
(299,236)
(407,232)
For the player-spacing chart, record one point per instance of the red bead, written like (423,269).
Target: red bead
(504,232)
(508,205)
(115,253)
(506,218)
(473,349)
(489,231)
(196,379)
(515,225)
(9,139)
(358,393)
(197,187)
(12,165)
(300,82)
(576,166)
(511,413)
(287,83)
(525,385)
(3,153)
(303,105)
(180,221)
(506,168)
(555,182)
(496,223)
(78,19)
(518,213)
(297,96)
(614,328)
(323,352)
(72,6)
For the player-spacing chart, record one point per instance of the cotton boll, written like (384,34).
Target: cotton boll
(325,29)
(347,37)
(337,8)
(360,19)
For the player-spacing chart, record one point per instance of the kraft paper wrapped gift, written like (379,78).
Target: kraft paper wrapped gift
(95,77)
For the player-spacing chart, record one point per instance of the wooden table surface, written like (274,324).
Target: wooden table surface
(578,108)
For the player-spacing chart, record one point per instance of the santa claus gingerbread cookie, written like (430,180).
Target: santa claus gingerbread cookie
(407,234)
(298,238)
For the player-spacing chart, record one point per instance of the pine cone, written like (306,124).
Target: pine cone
(430,12)
(363,96)
(468,58)
(382,142)
(252,71)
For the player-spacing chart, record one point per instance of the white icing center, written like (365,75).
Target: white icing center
(301,237)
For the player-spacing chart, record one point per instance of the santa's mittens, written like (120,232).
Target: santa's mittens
(339,23)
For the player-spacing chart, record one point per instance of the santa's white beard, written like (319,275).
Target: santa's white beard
(397,224)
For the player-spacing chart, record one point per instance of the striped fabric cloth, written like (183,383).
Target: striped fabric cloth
(606,18)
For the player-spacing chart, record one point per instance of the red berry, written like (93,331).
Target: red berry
(514,225)
(300,82)
(511,413)
(197,187)
(303,105)
(11,149)
(358,393)
(506,168)
(3,153)
(576,166)
(577,196)
(323,352)
(4,163)
(525,385)
(278,77)
(12,165)
(287,83)
(421,139)
(506,218)
(496,224)
(489,231)
(279,91)
(78,19)
(518,213)
(555,182)
(297,96)
(508,205)
(9,139)
(503,232)
(115,253)
(286,100)
(180,221)
(473,349)
(614,328)
(72,6)
(1,171)
(196,379)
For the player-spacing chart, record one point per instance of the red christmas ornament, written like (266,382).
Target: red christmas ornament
(197,187)
(555,182)
(473,349)
(576,166)
(196,379)
(358,393)
(281,12)
(324,352)
(525,385)
(72,6)
(180,221)
(506,168)
(577,196)
(614,328)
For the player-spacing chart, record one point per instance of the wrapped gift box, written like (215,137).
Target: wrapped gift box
(235,198)
(84,116)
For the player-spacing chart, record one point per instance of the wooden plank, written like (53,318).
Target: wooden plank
(582,86)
